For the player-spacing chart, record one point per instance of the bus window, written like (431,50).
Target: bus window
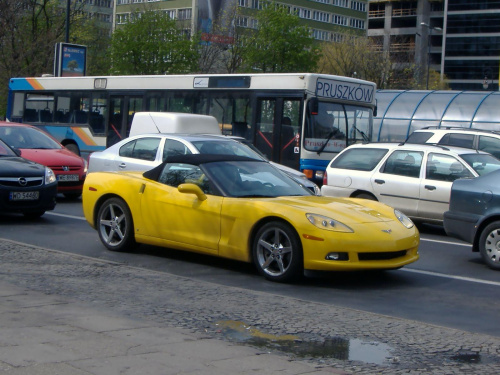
(326,131)
(186,102)
(290,133)
(265,126)
(17,107)
(233,113)
(98,113)
(39,108)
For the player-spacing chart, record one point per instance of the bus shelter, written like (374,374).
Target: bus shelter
(400,112)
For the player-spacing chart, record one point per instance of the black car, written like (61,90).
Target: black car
(474,215)
(25,186)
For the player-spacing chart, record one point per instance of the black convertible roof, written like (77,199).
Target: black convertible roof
(196,159)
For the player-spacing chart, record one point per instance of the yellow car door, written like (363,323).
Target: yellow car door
(181,220)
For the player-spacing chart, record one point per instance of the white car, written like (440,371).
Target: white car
(484,140)
(415,179)
(145,151)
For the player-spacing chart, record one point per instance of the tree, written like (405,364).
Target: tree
(279,43)
(356,56)
(152,43)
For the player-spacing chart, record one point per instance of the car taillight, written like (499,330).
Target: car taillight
(325,179)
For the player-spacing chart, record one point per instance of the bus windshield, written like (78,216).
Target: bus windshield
(335,126)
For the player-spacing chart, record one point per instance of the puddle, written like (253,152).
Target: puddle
(335,347)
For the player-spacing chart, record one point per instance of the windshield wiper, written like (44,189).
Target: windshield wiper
(332,133)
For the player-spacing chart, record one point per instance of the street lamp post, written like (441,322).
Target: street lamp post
(429,50)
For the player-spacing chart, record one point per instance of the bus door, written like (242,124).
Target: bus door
(121,112)
(278,129)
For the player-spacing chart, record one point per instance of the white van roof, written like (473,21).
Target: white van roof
(170,122)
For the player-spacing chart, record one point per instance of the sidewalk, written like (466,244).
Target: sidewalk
(66,314)
(49,335)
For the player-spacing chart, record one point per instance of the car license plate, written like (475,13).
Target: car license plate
(23,195)
(68,177)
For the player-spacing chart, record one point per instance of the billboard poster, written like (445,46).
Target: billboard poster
(70,60)
(210,12)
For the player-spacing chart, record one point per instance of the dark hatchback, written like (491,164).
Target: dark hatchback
(474,215)
(25,186)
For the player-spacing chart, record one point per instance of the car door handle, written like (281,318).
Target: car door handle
(430,187)
(380,182)
(122,165)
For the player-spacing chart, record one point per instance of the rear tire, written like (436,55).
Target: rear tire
(489,245)
(115,225)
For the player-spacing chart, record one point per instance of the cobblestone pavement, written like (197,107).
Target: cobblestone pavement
(317,333)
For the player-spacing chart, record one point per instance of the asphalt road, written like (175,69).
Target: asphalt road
(449,286)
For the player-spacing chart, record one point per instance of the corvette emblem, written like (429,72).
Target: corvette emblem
(387,230)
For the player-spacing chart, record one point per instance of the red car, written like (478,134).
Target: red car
(36,145)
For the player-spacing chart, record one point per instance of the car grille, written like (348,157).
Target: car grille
(15,181)
(60,168)
(382,255)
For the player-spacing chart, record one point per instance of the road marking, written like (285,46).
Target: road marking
(445,276)
(446,242)
(64,215)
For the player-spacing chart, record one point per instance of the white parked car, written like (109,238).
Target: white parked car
(415,179)
(484,140)
(146,151)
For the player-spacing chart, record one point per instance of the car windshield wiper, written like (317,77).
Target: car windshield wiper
(365,137)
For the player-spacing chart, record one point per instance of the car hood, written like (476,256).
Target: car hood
(17,167)
(52,157)
(346,210)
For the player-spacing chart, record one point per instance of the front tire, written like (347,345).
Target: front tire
(489,245)
(115,225)
(277,252)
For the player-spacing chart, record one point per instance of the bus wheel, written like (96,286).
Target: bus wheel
(73,148)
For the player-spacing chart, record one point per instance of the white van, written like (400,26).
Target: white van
(173,123)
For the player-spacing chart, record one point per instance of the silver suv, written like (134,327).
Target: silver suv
(477,139)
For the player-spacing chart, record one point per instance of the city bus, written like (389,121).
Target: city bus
(301,120)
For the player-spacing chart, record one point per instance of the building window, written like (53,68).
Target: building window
(321,16)
(122,18)
(242,21)
(184,14)
(243,3)
(341,3)
(339,20)
(256,4)
(170,13)
(303,13)
(357,24)
(356,5)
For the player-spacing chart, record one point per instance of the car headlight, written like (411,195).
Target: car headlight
(327,223)
(85,166)
(50,177)
(405,220)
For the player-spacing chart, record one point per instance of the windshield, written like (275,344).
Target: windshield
(25,137)
(482,163)
(336,126)
(5,150)
(252,179)
(225,148)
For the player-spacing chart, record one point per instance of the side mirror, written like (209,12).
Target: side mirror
(192,189)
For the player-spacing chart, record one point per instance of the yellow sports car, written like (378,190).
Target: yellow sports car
(247,210)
